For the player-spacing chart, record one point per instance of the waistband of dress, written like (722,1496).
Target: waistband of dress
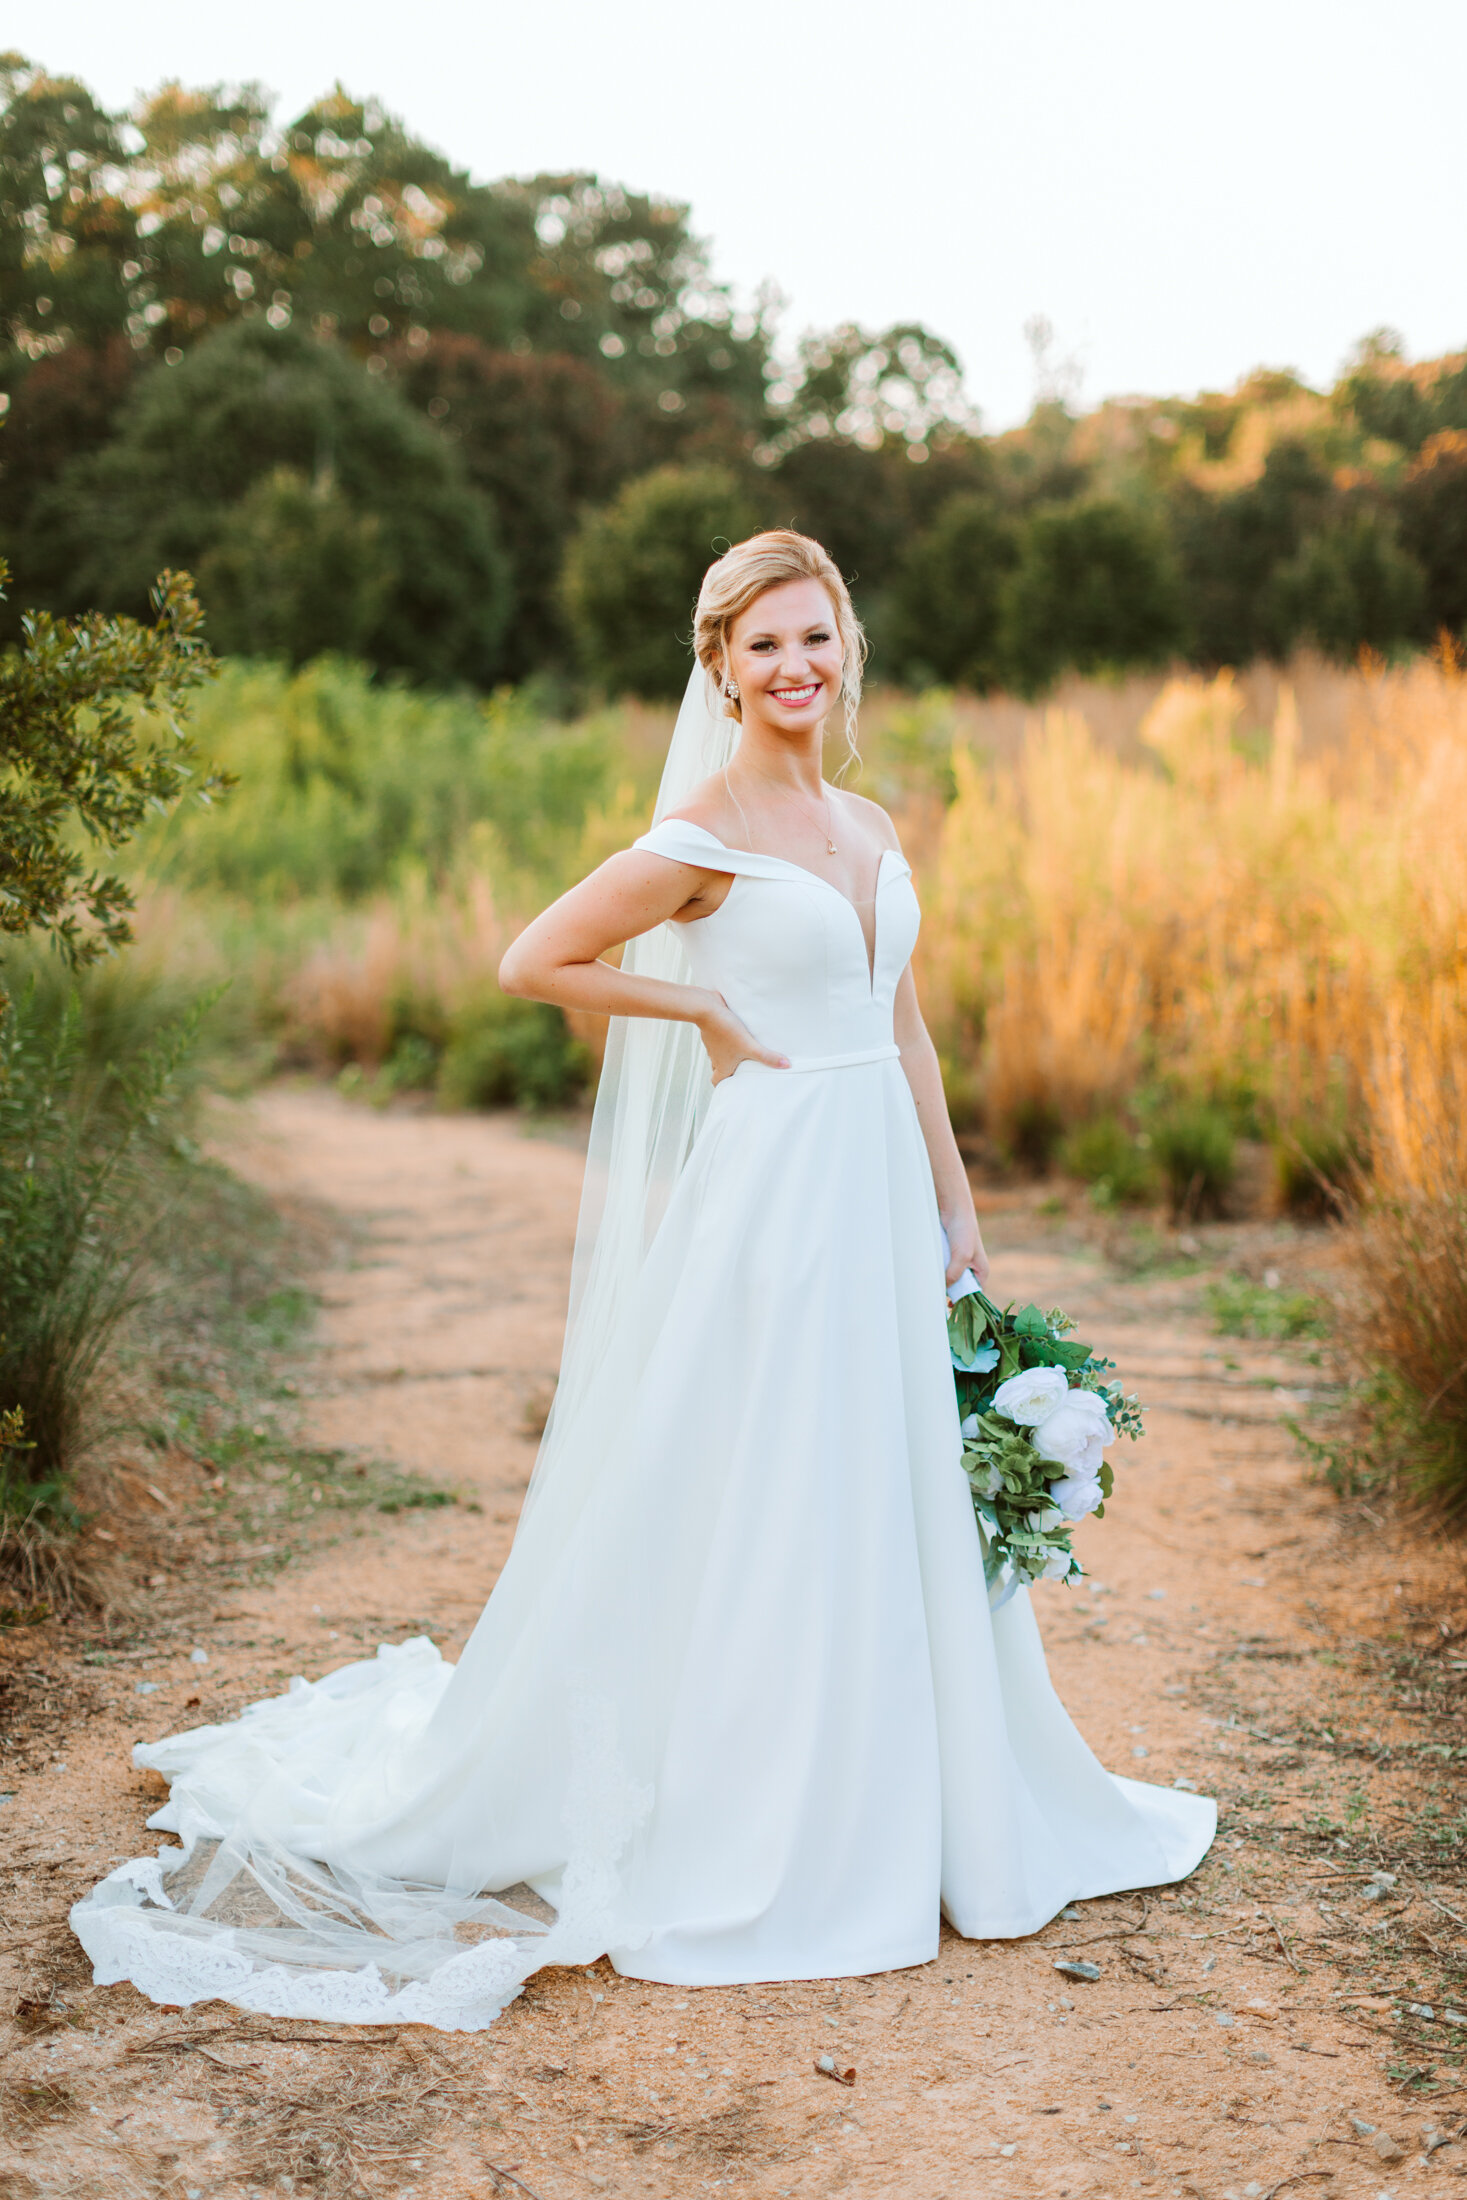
(888,1053)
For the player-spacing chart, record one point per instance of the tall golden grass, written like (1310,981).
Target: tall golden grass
(1222,913)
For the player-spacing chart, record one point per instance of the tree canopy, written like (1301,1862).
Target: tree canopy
(377,404)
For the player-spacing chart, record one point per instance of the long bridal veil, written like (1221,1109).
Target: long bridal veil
(267,1902)
(654,1085)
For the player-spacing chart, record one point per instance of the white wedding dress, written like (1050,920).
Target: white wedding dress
(737,1708)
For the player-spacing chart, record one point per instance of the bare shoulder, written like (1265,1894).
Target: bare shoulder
(869,815)
(708,805)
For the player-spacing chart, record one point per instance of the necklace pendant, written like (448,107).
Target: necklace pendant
(830,844)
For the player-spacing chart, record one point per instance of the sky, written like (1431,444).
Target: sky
(1182,192)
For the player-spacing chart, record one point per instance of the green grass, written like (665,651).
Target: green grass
(1242,1308)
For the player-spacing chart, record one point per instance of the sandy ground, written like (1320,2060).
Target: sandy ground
(1245,1633)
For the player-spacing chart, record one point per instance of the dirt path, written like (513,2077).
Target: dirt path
(1241,2037)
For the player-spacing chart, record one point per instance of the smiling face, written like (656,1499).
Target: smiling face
(784,653)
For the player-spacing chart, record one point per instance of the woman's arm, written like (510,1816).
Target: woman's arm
(558,957)
(954,1195)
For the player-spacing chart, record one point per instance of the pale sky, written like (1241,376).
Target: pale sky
(1184,192)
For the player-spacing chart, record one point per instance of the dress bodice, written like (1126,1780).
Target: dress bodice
(786,949)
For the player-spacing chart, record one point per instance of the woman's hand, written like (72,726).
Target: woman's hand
(965,1247)
(729,1040)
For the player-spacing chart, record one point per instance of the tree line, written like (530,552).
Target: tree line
(477,432)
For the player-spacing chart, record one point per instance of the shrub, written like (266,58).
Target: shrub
(633,571)
(1115,1161)
(86,1165)
(1351,587)
(1094,588)
(347,785)
(1194,1147)
(514,1053)
(944,615)
(76,766)
(1410,1296)
(1316,1164)
(1411,1333)
(297,572)
(1433,509)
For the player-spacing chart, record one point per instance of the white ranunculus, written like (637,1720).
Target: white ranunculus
(1076,1494)
(1031,1395)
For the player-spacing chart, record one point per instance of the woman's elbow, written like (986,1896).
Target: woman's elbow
(516,972)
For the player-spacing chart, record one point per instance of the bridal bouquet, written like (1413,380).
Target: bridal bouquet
(1037,1420)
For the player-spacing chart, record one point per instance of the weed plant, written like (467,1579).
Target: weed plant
(93,1163)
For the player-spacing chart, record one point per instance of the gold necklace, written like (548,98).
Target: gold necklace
(826,829)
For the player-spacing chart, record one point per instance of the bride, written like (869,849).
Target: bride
(738,1708)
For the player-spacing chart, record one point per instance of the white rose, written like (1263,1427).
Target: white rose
(1076,1433)
(1056,1567)
(1031,1395)
(1076,1495)
(970,1426)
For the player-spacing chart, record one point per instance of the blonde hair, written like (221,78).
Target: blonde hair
(746,572)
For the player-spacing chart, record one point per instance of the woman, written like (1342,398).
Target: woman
(737,1708)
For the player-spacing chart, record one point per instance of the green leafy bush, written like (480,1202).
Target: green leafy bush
(943,619)
(513,1052)
(1114,1160)
(1094,588)
(346,785)
(87,1166)
(1195,1150)
(633,571)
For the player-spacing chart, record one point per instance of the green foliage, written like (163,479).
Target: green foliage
(1242,1308)
(61,251)
(513,1053)
(1433,512)
(555,341)
(1115,1161)
(196,208)
(945,616)
(346,786)
(85,1169)
(1231,547)
(75,759)
(541,437)
(1192,1141)
(298,572)
(634,569)
(1094,588)
(195,439)
(1350,587)
(1009,1482)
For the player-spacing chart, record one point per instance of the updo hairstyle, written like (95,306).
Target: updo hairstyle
(745,573)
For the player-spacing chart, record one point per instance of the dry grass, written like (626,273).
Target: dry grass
(1410,1326)
(418,954)
(1229,915)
